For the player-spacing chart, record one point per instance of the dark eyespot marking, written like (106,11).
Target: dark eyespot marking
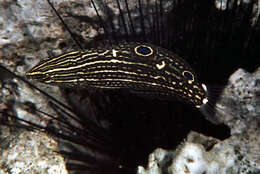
(188,75)
(143,50)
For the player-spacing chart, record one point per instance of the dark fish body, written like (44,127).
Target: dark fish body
(140,68)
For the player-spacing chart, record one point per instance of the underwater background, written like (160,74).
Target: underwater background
(214,37)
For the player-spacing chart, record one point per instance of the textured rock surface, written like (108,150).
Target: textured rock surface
(239,105)
(239,154)
(29,152)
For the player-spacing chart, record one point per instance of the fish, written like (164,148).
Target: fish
(138,67)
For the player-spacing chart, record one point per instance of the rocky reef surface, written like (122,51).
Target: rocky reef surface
(29,152)
(29,30)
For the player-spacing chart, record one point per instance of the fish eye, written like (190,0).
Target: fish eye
(188,75)
(143,50)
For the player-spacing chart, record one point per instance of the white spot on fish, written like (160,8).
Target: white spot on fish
(205,100)
(114,52)
(161,66)
(204,87)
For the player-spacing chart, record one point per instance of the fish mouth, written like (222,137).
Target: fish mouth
(38,76)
